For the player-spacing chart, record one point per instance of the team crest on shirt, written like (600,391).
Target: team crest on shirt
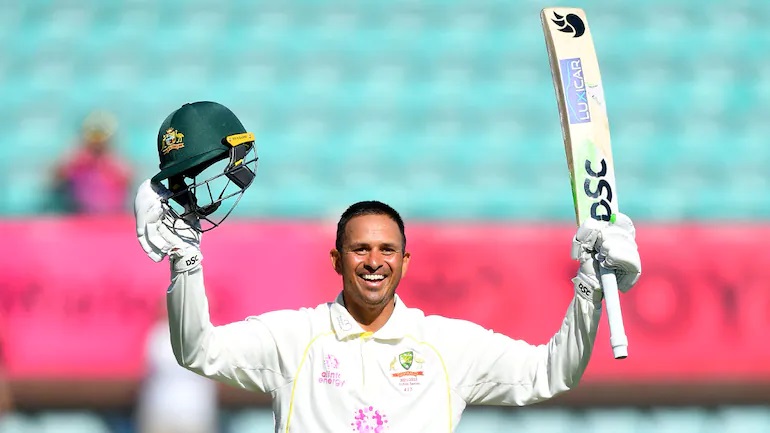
(172,140)
(406,370)
(406,359)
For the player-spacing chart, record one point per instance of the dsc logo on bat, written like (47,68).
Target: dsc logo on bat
(602,209)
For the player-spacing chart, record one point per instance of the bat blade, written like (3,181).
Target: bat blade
(582,112)
(586,135)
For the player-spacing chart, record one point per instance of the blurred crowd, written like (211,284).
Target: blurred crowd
(170,399)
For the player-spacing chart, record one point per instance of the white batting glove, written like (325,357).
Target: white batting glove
(612,246)
(162,235)
(618,252)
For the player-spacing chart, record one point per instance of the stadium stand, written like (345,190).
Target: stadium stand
(446,111)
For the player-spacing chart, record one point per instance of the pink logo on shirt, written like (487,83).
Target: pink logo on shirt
(330,375)
(331,362)
(369,420)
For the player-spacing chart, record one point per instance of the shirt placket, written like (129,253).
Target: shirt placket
(367,367)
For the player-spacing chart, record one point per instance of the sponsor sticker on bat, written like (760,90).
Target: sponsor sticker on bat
(575,92)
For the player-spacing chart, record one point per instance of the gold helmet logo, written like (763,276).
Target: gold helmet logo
(172,140)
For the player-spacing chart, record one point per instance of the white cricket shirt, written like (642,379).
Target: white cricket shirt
(414,375)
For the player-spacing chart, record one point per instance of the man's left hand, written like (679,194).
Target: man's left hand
(612,246)
(617,251)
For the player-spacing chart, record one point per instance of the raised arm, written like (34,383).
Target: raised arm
(242,354)
(495,369)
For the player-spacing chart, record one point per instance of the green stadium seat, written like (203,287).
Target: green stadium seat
(665,420)
(487,420)
(740,419)
(252,421)
(18,423)
(612,421)
(71,422)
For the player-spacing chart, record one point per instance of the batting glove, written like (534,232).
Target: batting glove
(160,234)
(611,246)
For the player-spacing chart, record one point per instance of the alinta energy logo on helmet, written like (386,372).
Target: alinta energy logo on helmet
(172,140)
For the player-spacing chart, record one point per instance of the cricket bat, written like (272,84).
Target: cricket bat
(586,132)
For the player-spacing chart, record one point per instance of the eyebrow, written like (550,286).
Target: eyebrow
(356,245)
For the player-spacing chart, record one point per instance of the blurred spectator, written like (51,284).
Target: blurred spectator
(6,401)
(173,399)
(93,179)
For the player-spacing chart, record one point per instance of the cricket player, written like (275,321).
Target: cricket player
(366,362)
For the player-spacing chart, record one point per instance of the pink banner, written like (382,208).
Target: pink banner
(77,296)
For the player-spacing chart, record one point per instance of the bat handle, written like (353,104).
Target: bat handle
(618,339)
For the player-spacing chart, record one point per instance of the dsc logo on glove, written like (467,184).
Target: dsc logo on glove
(191,261)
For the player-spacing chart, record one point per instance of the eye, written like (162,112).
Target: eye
(388,251)
(360,250)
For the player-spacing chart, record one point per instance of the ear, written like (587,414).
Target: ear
(405,263)
(334,255)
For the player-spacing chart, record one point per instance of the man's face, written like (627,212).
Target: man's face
(97,145)
(372,260)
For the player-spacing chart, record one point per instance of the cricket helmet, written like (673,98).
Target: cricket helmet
(203,148)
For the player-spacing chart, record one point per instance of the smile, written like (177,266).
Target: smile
(373,277)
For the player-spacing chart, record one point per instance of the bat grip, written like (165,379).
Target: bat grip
(618,339)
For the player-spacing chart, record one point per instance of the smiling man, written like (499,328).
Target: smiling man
(366,362)
(370,255)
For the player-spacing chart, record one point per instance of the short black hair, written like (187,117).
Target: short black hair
(368,207)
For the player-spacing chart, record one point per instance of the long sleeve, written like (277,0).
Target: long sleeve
(498,370)
(244,354)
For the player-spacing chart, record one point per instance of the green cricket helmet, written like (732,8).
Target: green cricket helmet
(191,142)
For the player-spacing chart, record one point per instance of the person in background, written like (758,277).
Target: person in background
(6,398)
(172,399)
(93,179)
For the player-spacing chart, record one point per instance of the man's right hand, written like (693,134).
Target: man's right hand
(162,235)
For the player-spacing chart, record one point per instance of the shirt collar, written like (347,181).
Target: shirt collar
(345,325)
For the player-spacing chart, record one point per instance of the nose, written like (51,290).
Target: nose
(374,260)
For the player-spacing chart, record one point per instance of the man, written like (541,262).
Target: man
(366,362)
(6,398)
(94,179)
(172,399)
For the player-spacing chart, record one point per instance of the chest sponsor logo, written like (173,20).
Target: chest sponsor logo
(331,374)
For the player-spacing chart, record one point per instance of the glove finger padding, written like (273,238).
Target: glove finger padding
(148,206)
(617,251)
(157,241)
(585,239)
(148,210)
(177,232)
(152,252)
(151,215)
(183,244)
(586,282)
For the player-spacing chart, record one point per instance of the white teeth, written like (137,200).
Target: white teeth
(373,277)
